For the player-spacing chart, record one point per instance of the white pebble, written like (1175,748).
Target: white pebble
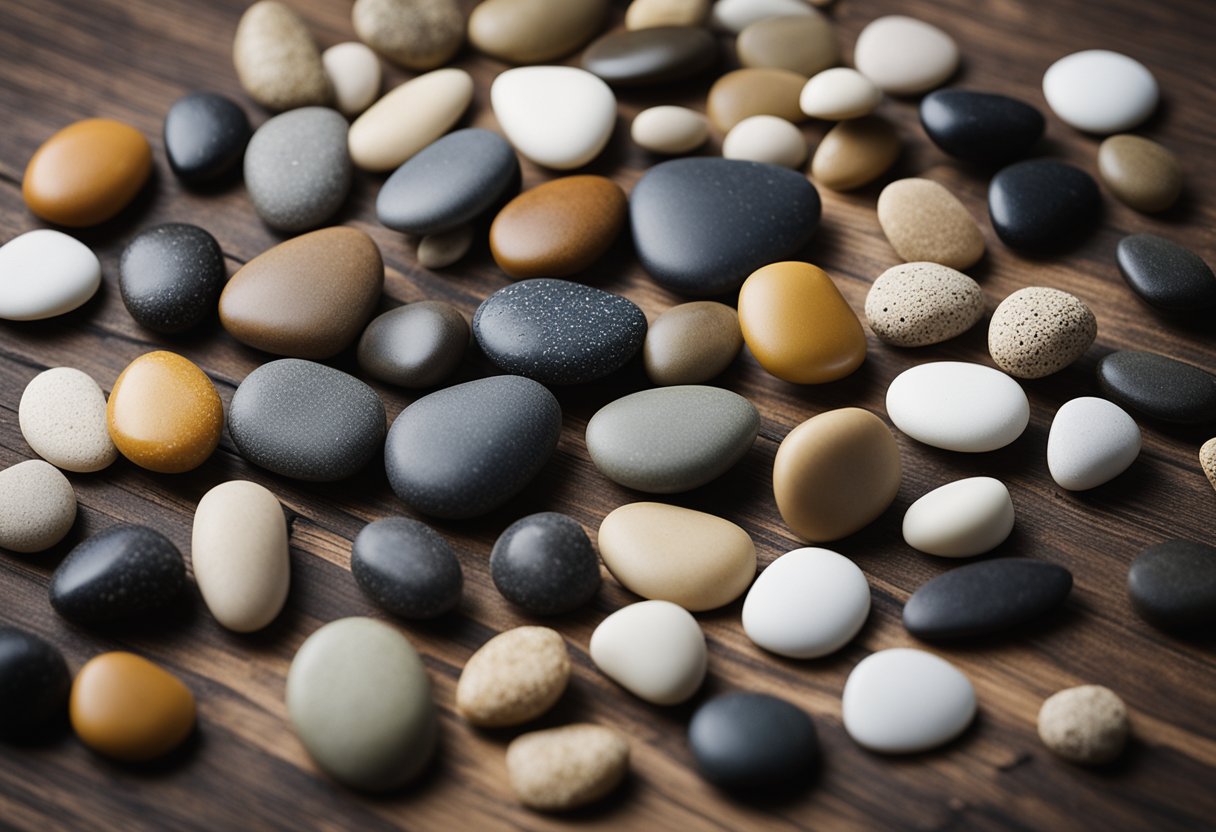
(960,519)
(44,273)
(767,139)
(669,130)
(958,406)
(1100,91)
(653,649)
(1091,442)
(839,94)
(354,73)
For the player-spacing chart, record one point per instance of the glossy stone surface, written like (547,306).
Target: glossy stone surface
(958,406)
(918,304)
(653,649)
(409,117)
(754,91)
(559,769)
(34,683)
(924,222)
(1140,173)
(754,743)
(205,135)
(802,43)
(657,55)
(545,564)
(62,415)
(45,273)
(514,677)
(170,277)
(1166,274)
(407,568)
(119,574)
(416,345)
(1159,387)
(37,506)
(691,343)
(1172,585)
(534,31)
(297,170)
(855,153)
(980,127)
(1042,204)
(276,58)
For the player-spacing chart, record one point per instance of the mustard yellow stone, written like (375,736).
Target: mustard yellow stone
(797,324)
(164,413)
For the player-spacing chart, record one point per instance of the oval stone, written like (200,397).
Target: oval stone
(1100,91)
(981,599)
(416,345)
(205,137)
(44,273)
(839,94)
(559,117)
(1042,204)
(925,222)
(354,75)
(559,769)
(545,564)
(855,153)
(1091,442)
(1038,331)
(277,60)
(297,170)
(37,506)
(958,406)
(754,91)
(642,14)
(36,684)
(1159,387)
(670,130)
(408,118)
(653,649)
(960,519)
(691,343)
(1140,173)
(1172,585)
(802,43)
(119,574)
(980,127)
(766,139)
(905,56)
(415,34)
(534,31)
(657,55)
(754,744)
(1086,724)
(1166,274)
(62,415)
(917,304)
(736,15)
(170,277)
(407,568)
(514,677)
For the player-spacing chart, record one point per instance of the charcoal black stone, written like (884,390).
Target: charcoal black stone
(753,743)
(653,55)
(1173,586)
(545,564)
(119,574)
(980,127)
(407,568)
(170,277)
(1160,387)
(1165,274)
(205,137)
(1042,204)
(34,683)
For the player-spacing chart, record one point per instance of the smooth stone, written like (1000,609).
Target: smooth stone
(924,222)
(700,226)
(86,172)
(359,699)
(958,406)
(1042,204)
(559,228)
(839,94)
(205,136)
(981,127)
(414,34)
(835,473)
(1140,173)
(1086,724)
(354,74)
(306,421)
(120,574)
(798,326)
(170,277)
(766,139)
(545,564)
(534,31)
(1091,442)
(691,343)
(467,449)
(905,56)
(438,251)
(754,744)
(671,439)
(1159,387)
(308,297)
(277,61)
(1100,91)
(297,170)
(1172,585)
(44,273)
(653,649)
(558,332)
(238,551)
(164,413)
(736,15)
(37,506)
(62,416)
(416,345)
(806,604)
(407,568)
(669,130)
(669,553)
(1165,274)
(918,304)
(1038,331)
(855,153)
(802,43)
(127,708)
(408,118)
(1207,460)
(960,519)
(36,683)
(559,117)
(513,678)
(560,769)
(657,55)
(754,91)
(643,14)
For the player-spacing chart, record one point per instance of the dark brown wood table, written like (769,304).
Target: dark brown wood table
(63,60)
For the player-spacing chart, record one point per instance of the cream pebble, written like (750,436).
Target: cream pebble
(1038,331)
(960,519)
(654,649)
(669,130)
(514,677)
(37,506)
(648,14)
(409,118)
(925,222)
(1086,724)
(63,418)
(917,304)
(767,139)
(839,94)
(905,56)
(354,73)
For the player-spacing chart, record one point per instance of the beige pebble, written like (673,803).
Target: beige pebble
(855,153)
(754,91)
(1086,724)
(63,418)
(408,118)
(1207,459)
(925,222)
(415,34)
(514,677)
(534,31)
(649,14)
(839,94)
(354,74)
(37,506)
(768,139)
(567,767)
(1140,173)
(1038,331)
(804,43)
(917,304)
(669,129)
(438,251)
(691,343)
(277,60)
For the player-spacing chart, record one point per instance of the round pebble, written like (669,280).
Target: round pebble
(644,14)
(408,118)
(407,568)
(205,137)
(534,31)
(754,91)
(34,693)
(918,304)
(960,519)
(1086,724)
(691,343)
(766,139)
(1091,442)
(353,71)
(1100,91)
(1158,386)
(45,273)
(170,277)
(545,564)
(1042,204)
(297,170)
(37,506)
(513,678)
(754,744)
(1140,173)
(559,117)
(802,43)
(277,60)
(438,251)
(560,769)
(839,94)
(855,153)
(416,345)
(1207,460)
(1165,274)
(62,415)
(905,56)
(958,406)
(1172,585)
(980,127)
(924,222)
(670,130)
(654,649)
(1038,331)
(415,34)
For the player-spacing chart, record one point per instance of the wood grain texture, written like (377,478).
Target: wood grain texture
(63,60)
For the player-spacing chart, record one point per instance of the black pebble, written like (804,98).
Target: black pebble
(34,683)
(1160,387)
(980,127)
(544,563)
(205,137)
(407,568)
(1042,204)
(170,277)
(655,55)
(1173,586)
(1166,275)
(754,744)
(117,575)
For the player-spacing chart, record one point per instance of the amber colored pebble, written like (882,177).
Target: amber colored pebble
(164,413)
(755,92)
(854,153)
(87,172)
(797,324)
(691,343)
(126,707)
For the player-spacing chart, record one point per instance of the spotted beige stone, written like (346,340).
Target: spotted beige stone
(1140,173)
(415,34)
(925,222)
(514,677)
(1086,724)
(1038,331)
(1207,459)
(567,767)
(649,14)
(917,304)
(277,60)
(855,153)
(804,43)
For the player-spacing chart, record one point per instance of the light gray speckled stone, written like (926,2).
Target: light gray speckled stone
(418,345)
(297,169)
(37,506)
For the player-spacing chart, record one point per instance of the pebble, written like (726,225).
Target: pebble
(354,74)
(62,415)
(798,326)
(754,744)
(855,153)
(669,553)
(1207,460)
(414,34)
(1165,274)
(671,439)
(37,506)
(981,127)
(407,568)
(905,56)
(559,769)
(86,172)
(924,222)
(164,413)
(904,701)
(1091,442)
(514,677)
(306,421)
(698,224)
(359,699)
(1100,91)
(417,345)
(1140,173)
(170,277)
(1042,204)
(36,683)
(643,14)
(918,304)
(438,251)
(558,332)
(986,598)
(802,43)
(1086,724)
(545,564)
(736,15)
(44,273)
(1159,387)
(297,170)
(1172,585)
(669,130)
(127,708)
(766,139)
(654,649)
(754,91)
(1038,331)
(559,228)
(308,297)
(120,574)
(839,94)
(655,55)
(277,60)
(559,117)
(534,31)
(467,449)
(958,406)
(691,343)
(408,118)
(238,551)
(806,604)
(960,519)
(205,137)
(835,473)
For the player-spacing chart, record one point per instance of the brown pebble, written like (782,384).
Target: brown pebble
(1086,724)
(563,768)
(438,251)
(1038,331)
(918,304)
(855,153)
(805,44)
(534,31)
(415,34)
(1140,173)
(514,677)
(649,14)
(925,222)
(691,343)
(1207,460)
(755,92)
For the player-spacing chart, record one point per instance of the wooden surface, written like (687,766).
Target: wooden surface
(63,60)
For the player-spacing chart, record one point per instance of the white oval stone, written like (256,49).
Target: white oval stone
(354,73)
(37,506)
(1091,442)
(669,129)
(905,56)
(960,519)
(839,94)
(958,406)
(769,139)
(737,15)
(408,118)
(1100,91)
(902,701)
(653,649)
(44,273)
(808,603)
(63,418)
(560,117)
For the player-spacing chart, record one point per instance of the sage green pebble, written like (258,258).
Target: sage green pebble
(416,345)
(691,343)
(1038,331)
(918,304)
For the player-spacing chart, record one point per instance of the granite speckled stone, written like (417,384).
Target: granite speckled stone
(1166,274)
(917,304)
(514,677)
(559,769)
(407,568)
(62,415)
(297,169)
(1160,387)
(1172,585)
(657,55)
(1086,724)
(544,563)
(1038,331)
(1042,204)
(34,683)
(119,574)
(170,277)
(980,127)
(276,58)
(205,137)
(416,345)
(754,743)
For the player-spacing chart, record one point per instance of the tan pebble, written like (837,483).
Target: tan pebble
(514,677)
(277,60)
(855,153)
(691,343)
(354,74)
(754,92)
(648,14)
(925,222)
(408,118)
(534,31)
(917,304)
(415,34)
(1038,331)
(766,139)
(438,251)
(63,418)
(669,129)
(37,506)
(1140,173)
(804,43)
(564,768)
(1086,724)
(1207,459)
(839,94)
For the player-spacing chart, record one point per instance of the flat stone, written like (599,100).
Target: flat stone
(205,136)
(653,649)
(407,568)
(754,744)
(958,406)
(513,678)
(37,506)
(170,277)
(960,519)
(36,684)
(918,304)
(534,31)
(923,221)
(855,153)
(560,769)
(766,139)
(656,55)
(297,170)
(985,598)
(120,574)
(416,345)
(1038,331)
(981,127)
(802,43)
(669,130)
(415,34)
(905,56)
(438,251)
(45,273)
(1165,274)
(545,564)
(1207,460)
(643,14)
(1042,204)
(62,415)
(1091,442)
(1159,387)
(559,117)
(1172,585)
(277,60)
(1086,724)
(354,75)
(736,15)
(754,91)
(1140,173)
(1100,91)
(691,343)
(839,94)
(408,118)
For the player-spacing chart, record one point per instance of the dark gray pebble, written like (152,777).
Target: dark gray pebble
(1160,387)
(655,55)
(544,563)
(205,137)
(980,127)
(118,575)
(417,345)
(407,568)
(1173,586)
(1165,274)
(754,744)
(170,277)
(34,683)
(1042,204)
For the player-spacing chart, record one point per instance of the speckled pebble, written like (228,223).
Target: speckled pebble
(416,345)
(514,677)
(407,568)
(1038,331)
(276,58)
(1207,460)
(1140,173)
(438,251)
(63,418)
(416,34)
(917,304)
(1159,386)
(1086,724)
(923,221)
(297,169)
(559,769)
(37,506)
(119,574)
(691,343)
(545,564)
(170,277)
(1165,274)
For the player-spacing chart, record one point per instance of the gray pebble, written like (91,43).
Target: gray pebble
(297,169)
(407,568)
(545,564)
(170,277)
(418,345)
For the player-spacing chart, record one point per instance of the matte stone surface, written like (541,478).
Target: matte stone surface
(118,574)
(1165,274)
(1042,204)
(802,43)
(205,137)
(406,567)
(416,345)
(1160,387)
(980,127)
(754,743)
(651,56)
(34,683)
(1173,586)
(691,343)
(544,563)
(1140,173)
(754,91)
(297,169)
(170,277)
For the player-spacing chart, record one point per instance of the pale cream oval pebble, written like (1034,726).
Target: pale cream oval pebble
(514,677)
(917,304)
(768,139)
(37,506)
(839,94)
(1207,460)
(1086,724)
(669,129)
(649,14)
(960,519)
(354,73)
(925,222)
(654,649)
(905,56)
(563,768)
(1038,331)
(438,251)
(63,418)
(408,118)
(277,60)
